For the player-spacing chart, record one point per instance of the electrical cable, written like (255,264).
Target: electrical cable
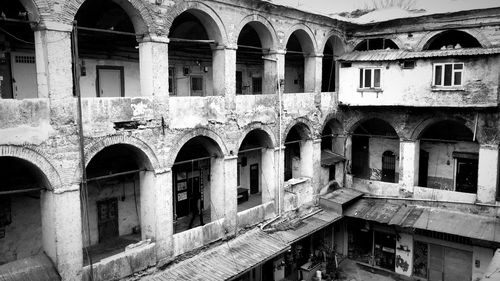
(15,37)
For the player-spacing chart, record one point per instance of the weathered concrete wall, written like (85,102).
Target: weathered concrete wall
(23,237)
(442,164)
(377,148)
(414,86)
(128,215)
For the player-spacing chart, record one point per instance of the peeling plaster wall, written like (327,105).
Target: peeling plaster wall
(481,258)
(253,157)
(404,254)
(441,170)
(23,237)
(127,214)
(414,87)
(377,147)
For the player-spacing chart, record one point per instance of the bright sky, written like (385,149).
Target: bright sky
(337,6)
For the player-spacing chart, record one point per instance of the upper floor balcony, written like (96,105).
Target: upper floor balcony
(457,77)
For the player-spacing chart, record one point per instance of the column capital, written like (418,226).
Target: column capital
(279,148)
(154,39)
(277,52)
(230,47)
(230,157)
(318,140)
(408,140)
(489,146)
(54,26)
(314,56)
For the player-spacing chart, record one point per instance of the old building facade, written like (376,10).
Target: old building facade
(121,119)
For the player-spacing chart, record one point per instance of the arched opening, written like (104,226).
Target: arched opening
(119,179)
(108,51)
(254,42)
(20,209)
(370,140)
(298,152)
(198,183)
(448,157)
(255,176)
(193,39)
(332,153)
(17,53)
(376,44)
(452,39)
(333,49)
(297,73)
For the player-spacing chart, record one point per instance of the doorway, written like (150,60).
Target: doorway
(388,166)
(360,157)
(466,175)
(423,168)
(110,81)
(107,219)
(254,178)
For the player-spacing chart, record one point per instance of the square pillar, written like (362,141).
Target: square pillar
(157,211)
(409,154)
(54,70)
(217,188)
(153,65)
(307,158)
(224,73)
(487,176)
(313,67)
(316,165)
(62,230)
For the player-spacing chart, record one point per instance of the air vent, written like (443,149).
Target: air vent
(25,59)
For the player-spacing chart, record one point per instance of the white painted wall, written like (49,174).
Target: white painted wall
(483,256)
(291,74)
(130,73)
(377,148)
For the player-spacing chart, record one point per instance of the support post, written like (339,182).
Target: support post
(487,176)
(409,154)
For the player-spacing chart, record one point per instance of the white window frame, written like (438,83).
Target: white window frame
(372,78)
(440,83)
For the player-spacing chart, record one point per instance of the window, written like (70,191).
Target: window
(448,74)
(369,78)
(171,81)
(196,86)
(256,85)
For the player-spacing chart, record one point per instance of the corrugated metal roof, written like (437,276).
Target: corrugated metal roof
(227,260)
(329,157)
(36,268)
(308,226)
(404,214)
(391,55)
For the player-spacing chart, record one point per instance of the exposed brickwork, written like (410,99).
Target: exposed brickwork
(34,156)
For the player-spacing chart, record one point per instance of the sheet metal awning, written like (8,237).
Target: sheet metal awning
(226,261)
(493,271)
(392,55)
(329,158)
(403,214)
(307,227)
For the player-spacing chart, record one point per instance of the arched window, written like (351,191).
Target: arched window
(452,39)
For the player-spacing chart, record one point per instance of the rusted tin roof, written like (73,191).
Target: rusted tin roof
(404,214)
(36,268)
(329,157)
(226,261)
(307,227)
(392,55)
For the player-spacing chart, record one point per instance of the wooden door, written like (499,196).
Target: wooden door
(360,157)
(110,81)
(254,178)
(107,214)
(24,76)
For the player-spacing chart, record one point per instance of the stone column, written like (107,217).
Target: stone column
(62,230)
(409,154)
(54,71)
(274,68)
(313,67)
(224,73)
(348,162)
(316,166)
(217,189)
(164,225)
(230,191)
(487,176)
(279,164)
(269,173)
